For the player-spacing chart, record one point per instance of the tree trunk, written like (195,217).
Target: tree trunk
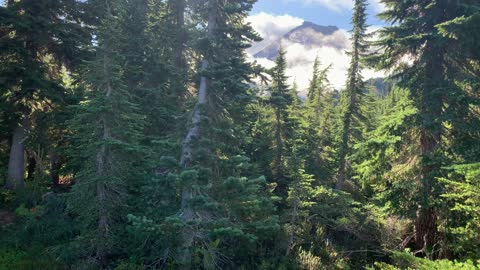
(16,163)
(32,164)
(293,223)
(188,214)
(102,248)
(344,147)
(431,103)
(282,188)
(347,121)
(55,165)
(426,232)
(179,9)
(343,155)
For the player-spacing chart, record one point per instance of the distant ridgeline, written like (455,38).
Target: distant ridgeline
(307,34)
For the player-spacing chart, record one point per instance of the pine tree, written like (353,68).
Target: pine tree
(355,87)
(383,159)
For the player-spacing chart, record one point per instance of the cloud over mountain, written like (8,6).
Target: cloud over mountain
(303,41)
(340,5)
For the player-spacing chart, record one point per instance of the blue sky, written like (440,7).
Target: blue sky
(322,12)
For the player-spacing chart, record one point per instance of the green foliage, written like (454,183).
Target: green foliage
(353,114)
(462,191)
(384,163)
(129,166)
(404,260)
(34,258)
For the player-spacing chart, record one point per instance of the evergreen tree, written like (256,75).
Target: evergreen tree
(38,39)
(319,110)
(211,169)
(313,87)
(134,136)
(107,128)
(355,88)
(384,161)
(281,100)
(432,81)
(319,85)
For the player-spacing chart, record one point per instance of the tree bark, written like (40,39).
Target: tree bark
(187,213)
(32,164)
(426,232)
(16,163)
(343,153)
(102,248)
(179,7)
(55,165)
(278,166)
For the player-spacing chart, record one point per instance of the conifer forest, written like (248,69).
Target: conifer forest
(139,134)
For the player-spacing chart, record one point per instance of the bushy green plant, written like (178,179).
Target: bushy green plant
(35,258)
(405,260)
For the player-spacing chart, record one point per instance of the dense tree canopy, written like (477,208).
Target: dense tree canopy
(139,135)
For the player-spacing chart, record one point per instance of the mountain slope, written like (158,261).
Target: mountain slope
(309,35)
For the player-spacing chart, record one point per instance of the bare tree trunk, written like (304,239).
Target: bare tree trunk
(16,163)
(187,213)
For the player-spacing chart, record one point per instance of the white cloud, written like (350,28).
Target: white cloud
(378,5)
(301,55)
(340,5)
(271,28)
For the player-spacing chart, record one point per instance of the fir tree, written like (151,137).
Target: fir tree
(319,113)
(281,100)
(38,39)
(355,87)
(432,81)
(462,190)
(107,128)
(210,167)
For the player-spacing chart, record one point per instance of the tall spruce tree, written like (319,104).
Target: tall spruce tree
(433,80)
(107,129)
(318,113)
(281,99)
(214,178)
(355,87)
(317,89)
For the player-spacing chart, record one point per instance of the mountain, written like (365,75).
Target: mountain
(309,35)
